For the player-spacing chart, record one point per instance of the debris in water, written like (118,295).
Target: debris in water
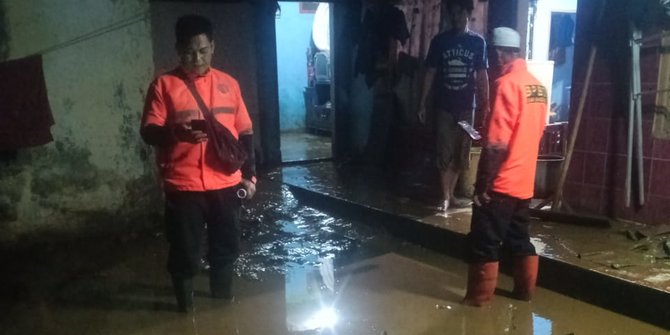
(644,246)
(594,253)
(635,235)
(618,266)
(659,278)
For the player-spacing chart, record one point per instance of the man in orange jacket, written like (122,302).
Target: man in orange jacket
(506,176)
(197,187)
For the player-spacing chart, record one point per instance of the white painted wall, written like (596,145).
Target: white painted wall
(97,175)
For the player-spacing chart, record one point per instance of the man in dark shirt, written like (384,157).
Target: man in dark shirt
(457,64)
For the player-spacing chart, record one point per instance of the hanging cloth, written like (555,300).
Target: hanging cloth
(25,114)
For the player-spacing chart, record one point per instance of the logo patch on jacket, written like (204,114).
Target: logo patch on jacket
(223,88)
(536,94)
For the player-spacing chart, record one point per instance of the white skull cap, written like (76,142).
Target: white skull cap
(506,37)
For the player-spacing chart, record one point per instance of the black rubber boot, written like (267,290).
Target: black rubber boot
(221,282)
(183,291)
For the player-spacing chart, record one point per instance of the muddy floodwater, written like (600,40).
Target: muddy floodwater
(302,271)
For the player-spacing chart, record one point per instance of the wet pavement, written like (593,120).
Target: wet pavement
(302,271)
(623,266)
(630,251)
(297,146)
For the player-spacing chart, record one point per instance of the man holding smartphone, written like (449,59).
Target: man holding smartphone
(456,71)
(197,191)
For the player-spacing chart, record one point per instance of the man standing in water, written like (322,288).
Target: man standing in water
(457,74)
(197,190)
(506,177)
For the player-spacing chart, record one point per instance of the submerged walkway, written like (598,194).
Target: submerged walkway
(621,266)
(302,271)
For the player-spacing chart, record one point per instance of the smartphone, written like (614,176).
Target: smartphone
(472,132)
(199,124)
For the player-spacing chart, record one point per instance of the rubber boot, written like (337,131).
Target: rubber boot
(221,282)
(183,291)
(482,280)
(525,276)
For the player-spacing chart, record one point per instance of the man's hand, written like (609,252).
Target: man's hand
(250,187)
(184,133)
(481,199)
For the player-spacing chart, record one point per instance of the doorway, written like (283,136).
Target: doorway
(304,74)
(551,35)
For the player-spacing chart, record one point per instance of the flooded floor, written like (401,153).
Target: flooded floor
(301,272)
(303,146)
(632,252)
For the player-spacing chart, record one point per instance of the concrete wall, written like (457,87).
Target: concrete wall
(97,175)
(294,33)
(234,39)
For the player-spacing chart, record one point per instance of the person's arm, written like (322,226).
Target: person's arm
(490,161)
(425,90)
(499,132)
(482,82)
(154,130)
(158,136)
(482,93)
(433,59)
(246,137)
(248,169)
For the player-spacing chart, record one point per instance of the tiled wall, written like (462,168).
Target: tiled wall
(596,177)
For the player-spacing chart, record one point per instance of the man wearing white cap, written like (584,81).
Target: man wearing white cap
(506,176)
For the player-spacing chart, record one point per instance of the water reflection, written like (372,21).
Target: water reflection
(310,297)
(541,326)
(282,232)
(309,277)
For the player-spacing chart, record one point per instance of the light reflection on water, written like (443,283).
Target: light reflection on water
(310,296)
(541,326)
(281,231)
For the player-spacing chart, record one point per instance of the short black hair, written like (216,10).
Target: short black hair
(468,5)
(192,25)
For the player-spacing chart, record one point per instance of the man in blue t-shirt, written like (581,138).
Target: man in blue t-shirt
(456,71)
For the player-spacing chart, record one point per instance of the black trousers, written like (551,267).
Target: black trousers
(185,216)
(500,224)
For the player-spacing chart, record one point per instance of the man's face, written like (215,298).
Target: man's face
(196,56)
(504,57)
(458,16)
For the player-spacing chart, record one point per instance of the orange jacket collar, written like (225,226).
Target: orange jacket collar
(518,64)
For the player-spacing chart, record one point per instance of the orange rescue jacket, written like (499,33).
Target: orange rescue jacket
(183,165)
(518,119)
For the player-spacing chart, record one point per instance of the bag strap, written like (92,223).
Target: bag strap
(209,117)
(198,99)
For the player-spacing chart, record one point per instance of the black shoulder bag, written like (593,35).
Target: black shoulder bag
(229,150)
